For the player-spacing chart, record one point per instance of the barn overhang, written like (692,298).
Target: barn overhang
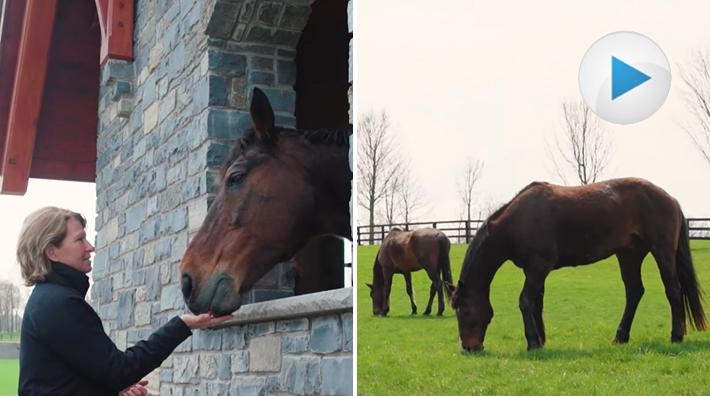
(50,57)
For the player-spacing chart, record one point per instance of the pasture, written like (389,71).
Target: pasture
(9,373)
(420,355)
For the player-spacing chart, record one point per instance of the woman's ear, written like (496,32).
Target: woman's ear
(50,252)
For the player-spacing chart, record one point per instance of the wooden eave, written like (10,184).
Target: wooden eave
(50,56)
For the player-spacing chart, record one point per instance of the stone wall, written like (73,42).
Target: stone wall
(166,122)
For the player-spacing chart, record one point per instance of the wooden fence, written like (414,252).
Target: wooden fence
(461,231)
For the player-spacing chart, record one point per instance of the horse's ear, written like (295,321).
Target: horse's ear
(369,285)
(262,116)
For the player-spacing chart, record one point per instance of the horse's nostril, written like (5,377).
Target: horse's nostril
(186,286)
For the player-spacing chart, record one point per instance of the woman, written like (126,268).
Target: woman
(63,347)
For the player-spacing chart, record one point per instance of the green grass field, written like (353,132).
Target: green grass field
(417,355)
(9,373)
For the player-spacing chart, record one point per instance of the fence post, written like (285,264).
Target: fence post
(383,234)
(468,231)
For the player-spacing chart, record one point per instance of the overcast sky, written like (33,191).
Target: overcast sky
(486,79)
(80,197)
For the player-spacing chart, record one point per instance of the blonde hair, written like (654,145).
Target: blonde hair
(40,229)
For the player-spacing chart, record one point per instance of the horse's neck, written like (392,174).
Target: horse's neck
(378,278)
(331,175)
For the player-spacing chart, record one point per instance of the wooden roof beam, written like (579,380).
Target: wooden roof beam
(27,93)
(116,21)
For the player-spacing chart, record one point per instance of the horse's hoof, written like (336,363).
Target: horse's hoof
(427,313)
(621,340)
(533,347)
(440,313)
(676,338)
(414,312)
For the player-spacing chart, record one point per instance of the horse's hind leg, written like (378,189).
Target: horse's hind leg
(630,266)
(435,289)
(669,275)
(410,292)
(432,292)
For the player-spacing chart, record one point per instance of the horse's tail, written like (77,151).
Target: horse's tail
(690,290)
(445,265)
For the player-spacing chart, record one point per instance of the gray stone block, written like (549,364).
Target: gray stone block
(103,290)
(223,19)
(337,375)
(248,386)
(286,37)
(239,362)
(265,354)
(258,34)
(281,100)
(295,342)
(259,329)
(301,374)
(207,340)
(126,302)
(224,370)
(295,17)
(227,124)
(268,13)
(234,337)
(115,69)
(108,311)
(120,89)
(261,63)
(287,72)
(171,390)
(218,88)
(226,63)
(262,78)
(208,366)
(217,153)
(166,375)
(325,334)
(135,216)
(347,322)
(186,368)
(171,298)
(292,325)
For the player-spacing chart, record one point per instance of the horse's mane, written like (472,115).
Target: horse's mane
(324,136)
(483,232)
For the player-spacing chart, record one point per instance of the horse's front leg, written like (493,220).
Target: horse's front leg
(386,291)
(530,303)
(410,291)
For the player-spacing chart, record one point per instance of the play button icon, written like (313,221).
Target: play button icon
(624,77)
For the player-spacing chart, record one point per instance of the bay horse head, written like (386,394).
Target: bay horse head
(470,299)
(279,188)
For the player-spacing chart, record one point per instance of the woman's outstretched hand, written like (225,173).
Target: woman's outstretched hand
(204,320)
(138,389)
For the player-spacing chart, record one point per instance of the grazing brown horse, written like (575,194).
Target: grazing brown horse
(546,227)
(279,188)
(403,252)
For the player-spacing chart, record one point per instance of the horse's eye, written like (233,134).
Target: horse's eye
(234,180)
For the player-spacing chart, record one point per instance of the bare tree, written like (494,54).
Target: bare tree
(390,212)
(376,164)
(410,195)
(583,148)
(9,305)
(471,174)
(697,80)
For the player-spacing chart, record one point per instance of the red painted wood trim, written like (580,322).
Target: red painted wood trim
(9,47)
(27,93)
(117,42)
